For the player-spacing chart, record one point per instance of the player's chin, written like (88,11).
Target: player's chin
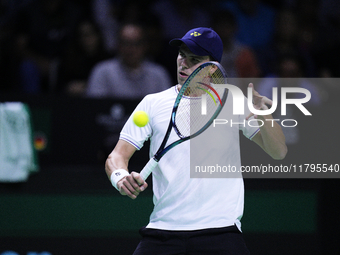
(181,79)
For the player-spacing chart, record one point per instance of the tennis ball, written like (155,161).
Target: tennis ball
(140,118)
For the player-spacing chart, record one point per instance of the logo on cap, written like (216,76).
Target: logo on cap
(195,34)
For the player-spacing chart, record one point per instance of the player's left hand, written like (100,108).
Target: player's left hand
(259,102)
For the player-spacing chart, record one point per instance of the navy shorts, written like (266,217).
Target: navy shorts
(217,241)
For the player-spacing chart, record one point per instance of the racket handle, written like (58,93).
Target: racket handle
(148,168)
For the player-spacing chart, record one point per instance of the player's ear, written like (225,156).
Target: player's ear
(213,69)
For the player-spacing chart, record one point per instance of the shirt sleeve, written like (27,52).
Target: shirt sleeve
(133,134)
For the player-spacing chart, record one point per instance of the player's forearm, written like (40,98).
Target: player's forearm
(273,138)
(119,157)
(127,184)
(114,162)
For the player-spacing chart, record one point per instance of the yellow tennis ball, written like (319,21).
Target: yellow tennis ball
(140,118)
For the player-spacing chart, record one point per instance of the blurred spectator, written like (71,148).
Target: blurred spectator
(159,49)
(255,22)
(139,11)
(238,60)
(8,12)
(179,16)
(84,51)
(175,18)
(106,15)
(109,14)
(308,22)
(129,75)
(290,66)
(44,28)
(290,74)
(286,41)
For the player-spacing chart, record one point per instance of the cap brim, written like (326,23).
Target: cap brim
(176,42)
(193,47)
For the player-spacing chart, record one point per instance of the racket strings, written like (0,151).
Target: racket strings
(200,101)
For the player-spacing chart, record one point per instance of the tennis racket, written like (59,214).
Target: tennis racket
(197,104)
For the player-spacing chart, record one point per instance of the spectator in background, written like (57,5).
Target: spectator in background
(238,60)
(8,12)
(129,75)
(308,22)
(106,15)
(290,74)
(84,51)
(159,50)
(290,66)
(44,28)
(286,41)
(179,16)
(164,20)
(110,14)
(255,22)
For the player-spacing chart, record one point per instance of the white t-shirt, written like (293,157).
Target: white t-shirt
(182,202)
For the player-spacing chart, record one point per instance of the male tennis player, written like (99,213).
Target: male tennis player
(191,215)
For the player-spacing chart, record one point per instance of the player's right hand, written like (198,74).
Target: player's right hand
(131,185)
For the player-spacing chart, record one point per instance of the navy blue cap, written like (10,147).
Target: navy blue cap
(202,41)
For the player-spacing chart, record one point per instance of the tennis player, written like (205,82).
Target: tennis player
(190,215)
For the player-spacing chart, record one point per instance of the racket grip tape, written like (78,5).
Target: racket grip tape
(148,168)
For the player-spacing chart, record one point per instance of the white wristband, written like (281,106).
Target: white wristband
(117,175)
